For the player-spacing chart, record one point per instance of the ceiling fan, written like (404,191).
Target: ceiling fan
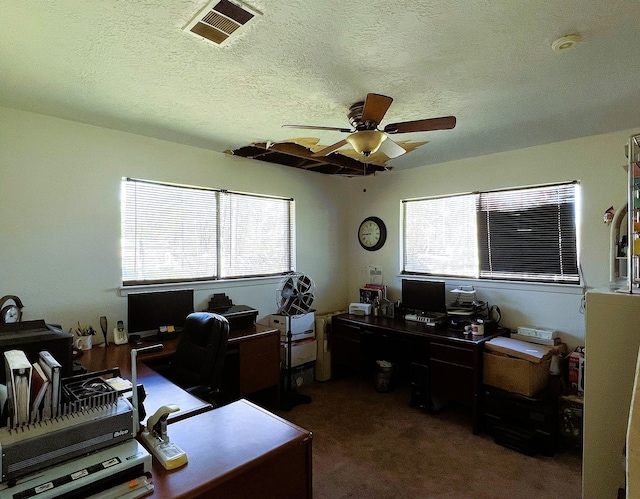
(366,138)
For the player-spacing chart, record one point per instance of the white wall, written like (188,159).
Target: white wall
(597,162)
(60,216)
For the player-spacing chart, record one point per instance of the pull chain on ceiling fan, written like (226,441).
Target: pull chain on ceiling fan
(366,138)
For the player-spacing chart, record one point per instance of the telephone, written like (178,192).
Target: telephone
(120,336)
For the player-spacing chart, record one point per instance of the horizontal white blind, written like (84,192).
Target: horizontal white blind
(178,234)
(255,235)
(440,236)
(169,233)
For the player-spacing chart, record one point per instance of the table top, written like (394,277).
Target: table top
(419,329)
(159,390)
(221,443)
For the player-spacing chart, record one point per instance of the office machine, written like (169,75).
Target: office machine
(360,308)
(34,336)
(89,447)
(157,439)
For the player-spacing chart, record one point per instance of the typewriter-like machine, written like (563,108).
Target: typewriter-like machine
(88,449)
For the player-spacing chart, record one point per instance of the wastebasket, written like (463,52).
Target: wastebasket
(384,376)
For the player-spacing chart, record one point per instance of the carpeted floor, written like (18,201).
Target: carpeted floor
(374,445)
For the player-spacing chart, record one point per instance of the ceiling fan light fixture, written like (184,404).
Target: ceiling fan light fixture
(366,142)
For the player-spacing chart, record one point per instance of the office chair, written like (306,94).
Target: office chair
(199,358)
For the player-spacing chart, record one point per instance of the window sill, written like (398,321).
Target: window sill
(200,285)
(569,289)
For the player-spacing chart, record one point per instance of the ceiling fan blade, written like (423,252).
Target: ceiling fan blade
(312,127)
(444,123)
(390,149)
(375,107)
(328,150)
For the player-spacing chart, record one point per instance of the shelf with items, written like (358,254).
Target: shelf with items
(633,214)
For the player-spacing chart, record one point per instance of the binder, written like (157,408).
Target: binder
(51,368)
(39,385)
(18,372)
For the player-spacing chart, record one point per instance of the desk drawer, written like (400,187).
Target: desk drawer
(258,346)
(451,353)
(345,331)
(259,363)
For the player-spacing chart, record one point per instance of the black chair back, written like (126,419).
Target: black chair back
(199,357)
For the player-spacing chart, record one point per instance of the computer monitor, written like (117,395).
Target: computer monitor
(147,312)
(424,296)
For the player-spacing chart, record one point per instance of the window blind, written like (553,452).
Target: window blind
(440,236)
(529,234)
(174,233)
(525,234)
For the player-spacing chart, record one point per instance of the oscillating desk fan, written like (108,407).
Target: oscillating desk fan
(294,297)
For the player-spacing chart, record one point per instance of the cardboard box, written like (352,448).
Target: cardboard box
(516,366)
(302,351)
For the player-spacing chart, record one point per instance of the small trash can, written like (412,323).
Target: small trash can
(384,376)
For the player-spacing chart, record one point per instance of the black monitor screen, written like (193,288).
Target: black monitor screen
(424,296)
(149,311)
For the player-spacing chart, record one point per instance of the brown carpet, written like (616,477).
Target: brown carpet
(374,445)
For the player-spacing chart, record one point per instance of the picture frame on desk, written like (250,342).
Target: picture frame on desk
(369,295)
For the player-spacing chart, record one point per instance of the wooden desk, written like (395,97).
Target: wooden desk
(237,451)
(252,364)
(160,391)
(446,364)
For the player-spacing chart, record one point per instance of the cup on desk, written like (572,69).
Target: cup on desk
(83,342)
(477,328)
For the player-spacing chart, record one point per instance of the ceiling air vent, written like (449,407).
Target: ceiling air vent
(221,21)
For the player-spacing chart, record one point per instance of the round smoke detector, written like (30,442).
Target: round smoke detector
(565,42)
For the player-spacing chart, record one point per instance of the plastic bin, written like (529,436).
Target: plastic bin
(384,376)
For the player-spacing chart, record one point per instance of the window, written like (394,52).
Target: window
(527,234)
(173,233)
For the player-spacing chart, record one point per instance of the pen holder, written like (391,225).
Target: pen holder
(83,342)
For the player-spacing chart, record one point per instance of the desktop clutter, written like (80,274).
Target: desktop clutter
(533,385)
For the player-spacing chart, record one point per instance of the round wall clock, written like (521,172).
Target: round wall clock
(372,233)
(11,312)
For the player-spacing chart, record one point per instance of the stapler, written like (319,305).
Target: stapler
(155,436)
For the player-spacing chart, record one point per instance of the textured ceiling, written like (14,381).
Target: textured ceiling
(129,65)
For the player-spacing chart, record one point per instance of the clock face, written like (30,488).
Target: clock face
(10,314)
(13,311)
(372,233)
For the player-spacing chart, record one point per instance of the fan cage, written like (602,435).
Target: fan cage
(295,295)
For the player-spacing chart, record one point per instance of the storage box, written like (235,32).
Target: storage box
(302,351)
(301,326)
(516,366)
